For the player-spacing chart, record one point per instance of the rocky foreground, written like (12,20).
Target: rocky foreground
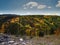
(46,40)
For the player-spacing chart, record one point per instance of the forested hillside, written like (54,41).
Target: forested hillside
(31,25)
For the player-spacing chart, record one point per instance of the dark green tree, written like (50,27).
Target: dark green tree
(13,28)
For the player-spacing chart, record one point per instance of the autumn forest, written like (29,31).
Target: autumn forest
(30,25)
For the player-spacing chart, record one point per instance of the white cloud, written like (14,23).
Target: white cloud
(31,4)
(49,7)
(36,5)
(58,5)
(41,6)
(25,8)
(26,13)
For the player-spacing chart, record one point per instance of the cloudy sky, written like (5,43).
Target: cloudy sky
(30,7)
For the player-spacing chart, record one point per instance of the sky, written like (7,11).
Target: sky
(25,7)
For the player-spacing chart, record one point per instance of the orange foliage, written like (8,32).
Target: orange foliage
(57,32)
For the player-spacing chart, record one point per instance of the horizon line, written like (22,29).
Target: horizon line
(28,14)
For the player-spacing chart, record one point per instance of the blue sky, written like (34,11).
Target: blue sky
(30,7)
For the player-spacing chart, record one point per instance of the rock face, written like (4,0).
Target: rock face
(46,40)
